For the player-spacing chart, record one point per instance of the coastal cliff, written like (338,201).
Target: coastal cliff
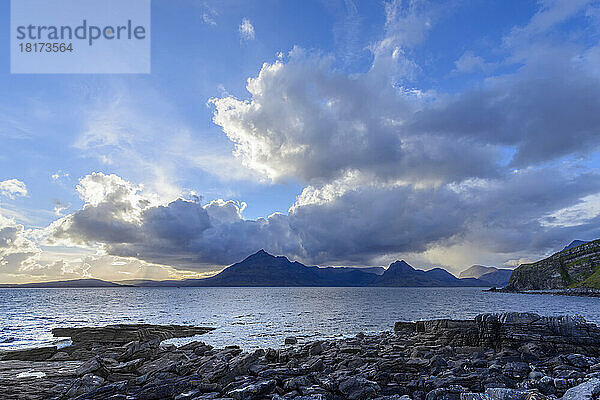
(574,267)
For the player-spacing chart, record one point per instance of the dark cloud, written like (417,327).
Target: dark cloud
(546,110)
(353,225)
(508,217)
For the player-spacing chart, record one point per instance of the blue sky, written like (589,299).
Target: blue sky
(427,66)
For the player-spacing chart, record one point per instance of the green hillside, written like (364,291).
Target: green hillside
(573,267)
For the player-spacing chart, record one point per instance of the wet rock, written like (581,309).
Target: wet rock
(253,391)
(121,334)
(535,375)
(350,349)
(516,370)
(578,360)
(358,388)
(36,354)
(561,383)
(491,357)
(474,396)
(515,329)
(585,391)
(297,383)
(104,392)
(536,396)
(402,326)
(85,384)
(167,363)
(240,364)
(271,354)
(166,388)
(90,366)
(127,367)
(449,393)
(437,364)
(545,385)
(506,394)
(60,356)
(315,349)
(315,365)
(291,340)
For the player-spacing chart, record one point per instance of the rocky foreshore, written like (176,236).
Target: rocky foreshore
(513,356)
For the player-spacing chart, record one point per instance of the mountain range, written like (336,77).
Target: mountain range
(577,265)
(264,269)
(401,274)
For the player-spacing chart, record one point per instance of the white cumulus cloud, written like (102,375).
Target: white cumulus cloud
(12,188)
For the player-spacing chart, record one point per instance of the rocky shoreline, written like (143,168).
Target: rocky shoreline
(578,292)
(516,356)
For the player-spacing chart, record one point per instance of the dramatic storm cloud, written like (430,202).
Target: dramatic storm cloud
(23,259)
(344,223)
(181,233)
(308,122)
(546,110)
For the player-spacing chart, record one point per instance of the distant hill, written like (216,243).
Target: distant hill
(575,266)
(75,283)
(498,277)
(401,274)
(136,282)
(476,271)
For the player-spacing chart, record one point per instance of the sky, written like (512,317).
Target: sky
(334,132)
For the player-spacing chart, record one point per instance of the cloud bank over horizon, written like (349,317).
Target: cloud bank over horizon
(494,173)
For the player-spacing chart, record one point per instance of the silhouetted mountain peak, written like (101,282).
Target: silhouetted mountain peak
(264,269)
(400,266)
(259,255)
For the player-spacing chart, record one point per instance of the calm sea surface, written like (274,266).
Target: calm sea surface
(259,317)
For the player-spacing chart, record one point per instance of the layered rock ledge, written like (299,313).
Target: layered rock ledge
(107,340)
(518,356)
